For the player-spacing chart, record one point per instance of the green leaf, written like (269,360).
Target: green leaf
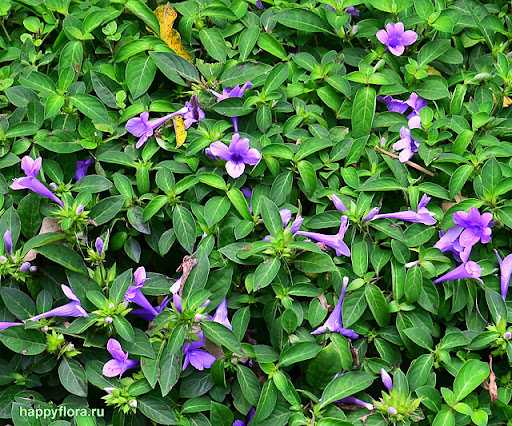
(299,352)
(377,303)
(359,257)
(157,409)
(220,335)
(142,11)
(18,303)
(119,286)
(432,50)
(72,377)
(93,184)
(184,227)
(271,216)
(154,206)
(459,178)
(140,73)
(315,263)
(491,176)
(469,377)
(214,43)
(445,417)
(345,385)
(363,111)
(239,203)
(381,184)
(248,39)
(105,210)
(271,45)
(266,272)
(249,384)
(175,68)
(91,107)
(64,256)
(266,402)
(25,342)
(302,20)
(420,336)
(70,64)
(433,88)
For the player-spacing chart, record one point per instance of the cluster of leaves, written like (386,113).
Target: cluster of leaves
(72,72)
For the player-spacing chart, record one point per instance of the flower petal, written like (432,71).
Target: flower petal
(220,150)
(235,169)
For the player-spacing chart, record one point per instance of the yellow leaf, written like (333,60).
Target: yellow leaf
(506,102)
(432,71)
(166,16)
(179,129)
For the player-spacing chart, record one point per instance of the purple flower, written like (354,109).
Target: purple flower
(98,245)
(334,322)
(4,325)
(259,5)
(395,38)
(71,309)
(198,358)
(333,241)
(134,294)
(249,417)
(194,112)
(505,273)
(221,314)
(406,144)
(25,267)
(248,195)
(237,155)
(31,169)
(142,128)
(119,363)
(350,400)
(8,242)
(416,103)
(394,105)
(468,269)
(286,217)
(233,92)
(387,381)
(338,204)
(371,214)
(352,11)
(421,215)
(82,167)
(470,228)
(392,411)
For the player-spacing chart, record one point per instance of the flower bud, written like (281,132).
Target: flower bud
(25,267)
(507,335)
(53,186)
(33,269)
(392,411)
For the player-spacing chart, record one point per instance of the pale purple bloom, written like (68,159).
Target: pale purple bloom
(8,242)
(194,112)
(221,314)
(98,245)
(406,145)
(395,38)
(507,335)
(416,103)
(237,155)
(394,105)
(468,270)
(470,228)
(334,322)
(25,267)
(259,5)
(198,358)
(338,204)
(134,294)
(31,169)
(350,400)
(421,215)
(71,309)
(82,167)
(505,273)
(4,325)
(371,214)
(119,363)
(352,11)
(233,92)
(143,128)
(333,241)
(387,381)
(286,216)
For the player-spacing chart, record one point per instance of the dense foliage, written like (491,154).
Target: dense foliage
(230,212)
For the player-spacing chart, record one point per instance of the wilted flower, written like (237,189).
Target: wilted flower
(8,242)
(421,215)
(395,38)
(82,167)
(468,269)
(334,322)
(470,228)
(237,155)
(31,169)
(387,381)
(119,363)
(221,314)
(71,309)
(198,358)
(333,241)
(505,273)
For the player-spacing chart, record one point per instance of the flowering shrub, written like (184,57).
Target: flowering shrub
(231,212)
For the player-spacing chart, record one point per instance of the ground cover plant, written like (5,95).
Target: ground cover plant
(238,212)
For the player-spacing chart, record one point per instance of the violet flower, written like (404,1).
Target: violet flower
(505,273)
(71,309)
(286,217)
(394,105)
(198,358)
(119,363)
(350,400)
(371,214)
(421,215)
(468,269)
(334,322)
(470,228)
(395,38)
(249,417)
(82,167)
(233,92)
(387,381)
(406,144)
(4,325)
(194,112)
(338,204)
(221,315)
(8,242)
(98,245)
(416,103)
(25,267)
(31,169)
(352,11)
(237,155)
(248,196)
(259,5)
(134,294)
(333,241)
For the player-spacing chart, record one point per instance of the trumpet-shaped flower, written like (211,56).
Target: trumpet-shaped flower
(71,309)
(505,273)
(468,269)
(421,215)
(119,363)
(198,358)
(82,167)
(8,242)
(134,294)
(221,314)
(333,241)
